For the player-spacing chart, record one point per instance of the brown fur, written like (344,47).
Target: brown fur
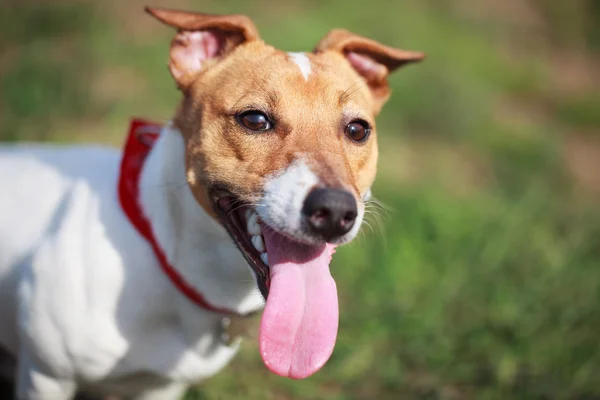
(309,116)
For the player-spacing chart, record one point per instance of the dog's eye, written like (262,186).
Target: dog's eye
(358,130)
(255,121)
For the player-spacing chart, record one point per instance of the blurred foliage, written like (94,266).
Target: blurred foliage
(484,281)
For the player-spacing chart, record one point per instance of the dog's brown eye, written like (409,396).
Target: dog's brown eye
(358,130)
(255,121)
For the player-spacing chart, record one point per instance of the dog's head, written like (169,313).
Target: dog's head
(280,147)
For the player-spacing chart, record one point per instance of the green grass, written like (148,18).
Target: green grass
(485,282)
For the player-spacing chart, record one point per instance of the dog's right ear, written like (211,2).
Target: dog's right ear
(201,38)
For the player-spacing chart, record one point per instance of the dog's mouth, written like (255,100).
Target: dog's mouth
(299,324)
(244,226)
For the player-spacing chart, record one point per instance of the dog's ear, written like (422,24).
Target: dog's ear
(201,38)
(370,59)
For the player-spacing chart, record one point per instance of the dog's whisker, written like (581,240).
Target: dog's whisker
(239,206)
(344,96)
(380,217)
(381,204)
(355,90)
(359,239)
(381,211)
(374,218)
(369,225)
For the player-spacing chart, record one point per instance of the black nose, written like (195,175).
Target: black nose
(330,213)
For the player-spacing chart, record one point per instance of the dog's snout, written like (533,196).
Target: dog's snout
(330,213)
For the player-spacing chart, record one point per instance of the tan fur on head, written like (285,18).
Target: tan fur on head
(347,80)
(372,60)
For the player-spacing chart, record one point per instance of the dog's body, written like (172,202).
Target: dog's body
(96,307)
(84,303)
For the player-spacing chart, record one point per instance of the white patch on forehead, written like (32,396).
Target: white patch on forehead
(302,61)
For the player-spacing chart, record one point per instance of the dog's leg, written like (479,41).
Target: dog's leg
(174,391)
(35,384)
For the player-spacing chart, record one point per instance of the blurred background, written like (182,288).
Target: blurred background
(483,282)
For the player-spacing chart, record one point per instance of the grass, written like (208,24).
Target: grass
(485,283)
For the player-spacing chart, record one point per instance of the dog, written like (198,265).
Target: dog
(124,273)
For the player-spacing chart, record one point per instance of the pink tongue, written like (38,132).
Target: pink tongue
(299,325)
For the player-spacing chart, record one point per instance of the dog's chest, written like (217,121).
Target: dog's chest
(165,354)
(160,368)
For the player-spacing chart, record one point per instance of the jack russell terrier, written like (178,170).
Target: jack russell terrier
(119,272)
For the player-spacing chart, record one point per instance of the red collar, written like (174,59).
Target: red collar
(141,139)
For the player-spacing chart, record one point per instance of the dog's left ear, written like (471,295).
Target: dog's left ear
(370,59)
(201,38)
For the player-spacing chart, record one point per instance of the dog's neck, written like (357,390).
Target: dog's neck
(194,243)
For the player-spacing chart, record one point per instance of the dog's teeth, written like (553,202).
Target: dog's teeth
(253,226)
(258,243)
(265,258)
(248,213)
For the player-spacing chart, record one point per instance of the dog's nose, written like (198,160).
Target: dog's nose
(330,213)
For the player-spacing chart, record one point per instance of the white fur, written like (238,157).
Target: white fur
(283,199)
(188,234)
(303,63)
(284,194)
(84,304)
(357,224)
